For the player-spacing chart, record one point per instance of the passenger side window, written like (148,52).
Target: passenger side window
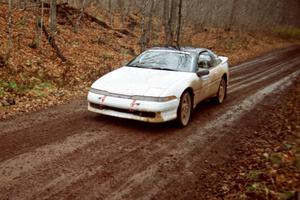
(205,61)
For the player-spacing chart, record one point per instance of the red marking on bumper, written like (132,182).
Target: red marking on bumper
(102,99)
(132,105)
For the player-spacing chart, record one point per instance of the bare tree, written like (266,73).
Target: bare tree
(39,21)
(169,25)
(150,21)
(4,60)
(42,17)
(53,19)
(179,24)
(111,15)
(143,37)
(231,14)
(121,8)
(82,7)
(166,17)
(9,24)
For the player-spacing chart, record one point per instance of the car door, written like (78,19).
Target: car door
(214,73)
(201,88)
(215,78)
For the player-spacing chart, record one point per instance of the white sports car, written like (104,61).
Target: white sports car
(161,84)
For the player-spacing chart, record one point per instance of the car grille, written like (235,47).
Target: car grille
(121,96)
(134,112)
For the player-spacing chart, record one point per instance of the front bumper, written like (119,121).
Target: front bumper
(147,111)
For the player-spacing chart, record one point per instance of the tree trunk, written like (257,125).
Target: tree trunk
(9,25)
(165,18)
(150,22)
(111,15)
(53,19)
(121,8)
(143,38)
(39,20)
(82,6)
(169,29)
(179,24)
(232,14)
(52,42)
(42,18)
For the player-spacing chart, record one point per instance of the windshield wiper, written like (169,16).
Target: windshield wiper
(135,65)
(160,68)
(148,67)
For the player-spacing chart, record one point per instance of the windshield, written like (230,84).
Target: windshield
(164,60)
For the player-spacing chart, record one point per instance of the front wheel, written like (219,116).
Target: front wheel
(222,92)
(184,109)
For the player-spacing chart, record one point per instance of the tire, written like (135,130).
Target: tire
(184,110)
(222,92)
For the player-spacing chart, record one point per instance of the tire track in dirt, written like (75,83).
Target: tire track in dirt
(244,71)
(94,166)
(28,139)
(30,120)
(125,150)
(12,169)
(259,71)
(265,75)
(274,56)
(102,145)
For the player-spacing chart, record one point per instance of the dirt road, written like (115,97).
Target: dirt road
(68,153)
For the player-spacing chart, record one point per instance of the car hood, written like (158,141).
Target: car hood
(139,81)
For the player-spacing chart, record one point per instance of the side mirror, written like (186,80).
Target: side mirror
(202,72)
(125,63)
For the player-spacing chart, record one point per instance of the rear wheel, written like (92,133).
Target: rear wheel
(222,92)
(184,109)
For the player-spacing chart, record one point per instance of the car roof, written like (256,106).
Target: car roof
(191,50)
